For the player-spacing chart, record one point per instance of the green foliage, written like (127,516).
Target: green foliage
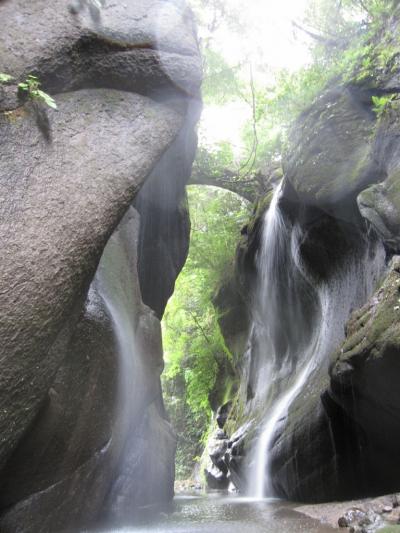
(349,44)
(380,104)
(194,346)
(221,83)
(375,9)
(215,159)
(31,86)
(5,78)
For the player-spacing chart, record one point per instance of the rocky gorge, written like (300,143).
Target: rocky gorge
(95,230)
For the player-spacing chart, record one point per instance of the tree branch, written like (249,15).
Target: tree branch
(254,149)
(200,327)
(316,36)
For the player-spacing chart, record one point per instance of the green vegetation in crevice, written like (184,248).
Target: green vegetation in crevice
(31,89)
(198,364)
(381,104)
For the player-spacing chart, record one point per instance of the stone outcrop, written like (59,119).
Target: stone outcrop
(216,470)
(165,224)
(125,78)
(101,428)
(330,157)
(364,382)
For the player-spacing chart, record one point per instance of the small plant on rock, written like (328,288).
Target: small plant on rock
(381,104)
(31,86)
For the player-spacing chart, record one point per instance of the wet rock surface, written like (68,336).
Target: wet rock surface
(125,78)
(216,472)
(364,384)
(380,203)
(359,516)
(330,157)
(142,47)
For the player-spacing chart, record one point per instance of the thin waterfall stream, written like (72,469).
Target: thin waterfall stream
(297,325)
(114,285)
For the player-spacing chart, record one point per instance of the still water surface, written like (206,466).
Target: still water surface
(223,514)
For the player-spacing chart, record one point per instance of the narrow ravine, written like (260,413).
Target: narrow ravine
(200,268)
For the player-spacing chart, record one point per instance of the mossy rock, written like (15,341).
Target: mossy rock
(375,325)
(380,203)
(389,529)
(364,382)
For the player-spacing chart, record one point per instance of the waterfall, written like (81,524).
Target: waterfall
(297,324)
(115,284)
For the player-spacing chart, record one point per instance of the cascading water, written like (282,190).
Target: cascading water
(114,284)
(140,433)
(297,325)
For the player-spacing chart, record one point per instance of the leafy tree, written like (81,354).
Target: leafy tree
(194,347)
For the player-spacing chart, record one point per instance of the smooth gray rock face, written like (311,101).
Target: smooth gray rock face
(330,156)
(165,223)
(123,77)
(102,424)
(61,201)
(140,46)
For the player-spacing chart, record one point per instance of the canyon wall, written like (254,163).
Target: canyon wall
(82,420)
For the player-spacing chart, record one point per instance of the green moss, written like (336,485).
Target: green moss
(237,415)
(377,324)
(393,188)
(260,208)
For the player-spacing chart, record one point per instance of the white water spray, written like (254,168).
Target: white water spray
(115,284)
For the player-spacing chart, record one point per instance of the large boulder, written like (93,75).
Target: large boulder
(61,201)
(165,223)
(101,433)
(380,205)
(330,155)
(146,47)
(125,77)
